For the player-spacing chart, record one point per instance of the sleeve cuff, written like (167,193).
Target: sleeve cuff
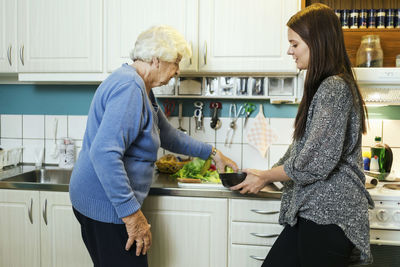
(127,208)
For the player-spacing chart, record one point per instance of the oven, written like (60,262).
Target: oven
(385,225)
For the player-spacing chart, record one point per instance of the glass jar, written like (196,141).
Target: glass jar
(370,53)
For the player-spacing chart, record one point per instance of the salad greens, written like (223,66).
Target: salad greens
(194,169)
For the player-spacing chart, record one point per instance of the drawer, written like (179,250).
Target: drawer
(248,256)
(263,234)
(255,210)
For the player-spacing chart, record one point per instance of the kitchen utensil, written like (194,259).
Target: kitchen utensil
(232,179)
(180,119)
(198,114)
(234,115)
(169,107)
(215,122)
(249,108)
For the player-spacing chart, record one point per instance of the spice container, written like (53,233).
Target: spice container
(370,53)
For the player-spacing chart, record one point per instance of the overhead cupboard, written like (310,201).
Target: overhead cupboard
(92,37)
(47,36)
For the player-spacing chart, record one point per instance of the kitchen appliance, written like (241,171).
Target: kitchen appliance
(385,226)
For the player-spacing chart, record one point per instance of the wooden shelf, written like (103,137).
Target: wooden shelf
(389,38)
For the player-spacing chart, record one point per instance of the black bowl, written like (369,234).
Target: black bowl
(232,179)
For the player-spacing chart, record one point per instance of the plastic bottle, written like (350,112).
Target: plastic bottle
(378,156)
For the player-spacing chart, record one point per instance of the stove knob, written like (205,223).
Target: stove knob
(382,215)
(396,216)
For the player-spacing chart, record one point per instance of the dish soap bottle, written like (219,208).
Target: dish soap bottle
(378,156)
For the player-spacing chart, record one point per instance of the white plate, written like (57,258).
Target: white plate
(202,186)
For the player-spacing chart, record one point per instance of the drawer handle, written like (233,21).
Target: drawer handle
(9,55)
(30,212)
(265,235)
(257,258)
(45,211)
(264,212)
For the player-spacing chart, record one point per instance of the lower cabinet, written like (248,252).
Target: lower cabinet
(254,228)
(187,231)
(39,229)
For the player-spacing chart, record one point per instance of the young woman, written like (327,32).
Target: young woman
(324,202)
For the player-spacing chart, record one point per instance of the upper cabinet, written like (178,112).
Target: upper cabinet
(126,19)
(245,36)
(225,35)
(60,35)
(8,36)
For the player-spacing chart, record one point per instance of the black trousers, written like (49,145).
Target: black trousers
(106,244)
(308,244)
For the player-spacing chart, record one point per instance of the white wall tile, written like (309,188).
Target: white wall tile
(221,133)
(374,129)
(76,127)
(8,143)
(207,134)
(276,152)
(11,126)
(160,153)
(252,159)
(391,132)
(33,126)
(51,152)
(32,149)
(396,161)
(284,129)
(234,152)
(62,126)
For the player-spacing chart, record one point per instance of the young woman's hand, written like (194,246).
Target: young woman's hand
(138,231)
(254,182)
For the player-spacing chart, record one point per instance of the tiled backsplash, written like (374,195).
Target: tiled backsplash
(37,131)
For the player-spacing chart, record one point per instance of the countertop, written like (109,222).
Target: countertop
(162,185)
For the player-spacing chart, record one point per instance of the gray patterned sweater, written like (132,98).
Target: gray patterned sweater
(325,167)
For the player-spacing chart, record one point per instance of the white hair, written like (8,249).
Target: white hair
(162,42)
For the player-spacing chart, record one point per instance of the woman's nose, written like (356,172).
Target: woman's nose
(289,51)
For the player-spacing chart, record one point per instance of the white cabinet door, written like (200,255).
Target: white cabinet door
(19,228)
(60,35)
(61,240)
(187,231)
(245,36)
(126,19)
(8,35)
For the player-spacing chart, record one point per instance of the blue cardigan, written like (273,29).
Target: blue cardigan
(124,130)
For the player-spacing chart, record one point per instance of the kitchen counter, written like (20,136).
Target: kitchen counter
(161,185)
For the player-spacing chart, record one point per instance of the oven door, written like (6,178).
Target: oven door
(385,247)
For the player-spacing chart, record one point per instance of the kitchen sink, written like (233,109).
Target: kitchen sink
(42,176)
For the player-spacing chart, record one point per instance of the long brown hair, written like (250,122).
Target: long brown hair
(319,27)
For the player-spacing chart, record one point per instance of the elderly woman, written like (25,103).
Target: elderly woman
(125,128)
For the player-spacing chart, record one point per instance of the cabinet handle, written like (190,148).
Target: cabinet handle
(45,211)
(191,49)
(9,55)
(30,212)
(257,258)
(205,52)
(264,212)
(21,55)
(265,235)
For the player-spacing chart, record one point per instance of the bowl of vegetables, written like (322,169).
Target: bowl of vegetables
(197,171)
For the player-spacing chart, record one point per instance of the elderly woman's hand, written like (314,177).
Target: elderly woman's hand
(222,161)
(138,231)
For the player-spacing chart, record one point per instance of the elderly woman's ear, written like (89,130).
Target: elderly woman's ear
(156,62)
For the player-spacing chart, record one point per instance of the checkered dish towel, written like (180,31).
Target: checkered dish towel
(260,134)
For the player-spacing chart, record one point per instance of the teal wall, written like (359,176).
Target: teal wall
(75,100)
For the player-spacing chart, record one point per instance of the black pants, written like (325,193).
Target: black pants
(106,244)
(308,244)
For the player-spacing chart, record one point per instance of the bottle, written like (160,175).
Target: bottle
(378,156)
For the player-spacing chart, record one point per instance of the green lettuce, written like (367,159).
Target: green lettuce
(193,169)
